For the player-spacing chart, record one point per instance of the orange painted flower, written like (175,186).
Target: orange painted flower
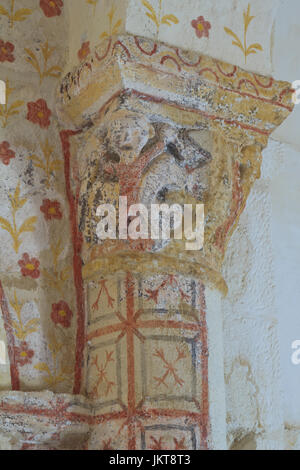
(61,314)
(51,209)
(201,26)
(84,51)
(29,266)
(6,51)
(51,7)
(39,113)
(23,354)
(6,153)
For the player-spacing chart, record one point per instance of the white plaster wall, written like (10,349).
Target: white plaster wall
(252,371)
(285,231)
(286,62)
(220,13)
(261,312)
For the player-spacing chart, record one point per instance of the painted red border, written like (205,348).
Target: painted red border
(77,263)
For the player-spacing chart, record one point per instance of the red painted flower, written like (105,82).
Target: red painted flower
(23,354)
(201,26)
(51,209)
(6,153)
(51,7)
(29,266)
(6,51)
(84,51)
(61,314)
(39,113)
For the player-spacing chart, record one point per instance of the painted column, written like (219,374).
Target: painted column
(162,126)
(158,125)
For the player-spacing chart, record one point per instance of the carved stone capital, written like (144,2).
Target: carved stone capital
(156,124)
(161,124)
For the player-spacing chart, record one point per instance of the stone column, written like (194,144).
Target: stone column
(158,125)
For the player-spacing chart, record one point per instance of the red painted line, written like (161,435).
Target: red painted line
(168,324)
(142,324)
(159,412)
(230,74)
(168,57)
(106,52)
(14,372)
(154,50)
(60,415)
(187,63)
(233,90)
(119,43)
(77,263)
(260,98)
(105,331)
(285,92)
(207,69)
(261,84)
(241,82)
(147,97)
(130,360)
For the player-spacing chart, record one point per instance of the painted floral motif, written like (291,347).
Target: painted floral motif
(22,329)
(113,27)
(39,113)
(42,69)
(51,209)
(156,17)
(41,165)
(57,276)
(84,51)
(51,7)
(6,154)
(12,15)
(247,50)
(27,226)
(49,164)
(201,26)
(6,51)
(23,354)
(29,266)
(60,370)
(61,314)
(6,110)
